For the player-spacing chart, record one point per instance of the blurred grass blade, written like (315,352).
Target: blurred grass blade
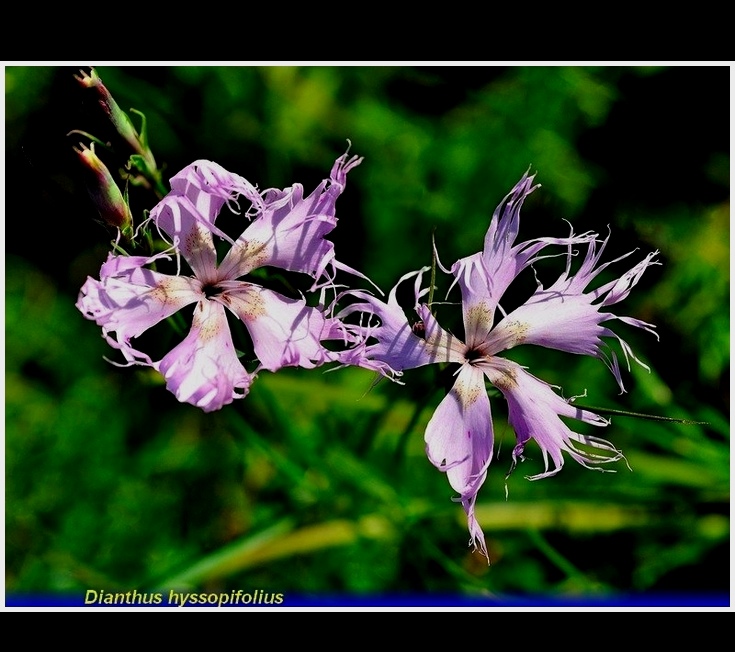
(228,559)
(563,515)
(277,542)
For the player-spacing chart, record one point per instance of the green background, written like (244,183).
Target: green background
(317,484)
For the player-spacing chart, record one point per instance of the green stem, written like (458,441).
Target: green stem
(640,415)
(433,270)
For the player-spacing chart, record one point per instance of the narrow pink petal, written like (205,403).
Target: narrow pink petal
(203,369)
(441,344)
(569,323)
(484,277)
(564,317)
(188,213)
(129,299)
(621,288)
(208,186)
(285,332)
(191,237)
(481,288)
(612,292)
(534,412)
(290,232)
(459,441)
(391,343)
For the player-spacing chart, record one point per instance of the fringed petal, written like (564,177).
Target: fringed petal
(129,299)
(534,412)
(390,344)
(484,277)
(187,214)
(459,442)
(290,232)
(285,332)
(566,318)
(204,369)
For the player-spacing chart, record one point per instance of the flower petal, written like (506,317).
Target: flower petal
(129,299)
(290,232)
(533,412)
(391,345)
(569,323)
(285,332)
(484,277)
(459,441)
(204,370)
(564,317)
(188,213)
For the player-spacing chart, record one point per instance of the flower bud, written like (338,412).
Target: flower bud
(103,190)
(117,116)
(142,160)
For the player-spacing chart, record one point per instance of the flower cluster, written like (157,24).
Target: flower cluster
(286,230)
(564,316)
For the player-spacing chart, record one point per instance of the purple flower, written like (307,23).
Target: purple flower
(285,230)
(459,436)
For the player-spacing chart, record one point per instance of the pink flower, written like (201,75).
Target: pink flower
(459,436)
(285,230)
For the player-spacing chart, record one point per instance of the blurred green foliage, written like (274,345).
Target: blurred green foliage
(318,483)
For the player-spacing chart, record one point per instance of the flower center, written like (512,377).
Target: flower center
(211,290)
(474,354)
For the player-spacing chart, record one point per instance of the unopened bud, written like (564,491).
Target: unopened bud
(142,160)
(103,190)
(117,116)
